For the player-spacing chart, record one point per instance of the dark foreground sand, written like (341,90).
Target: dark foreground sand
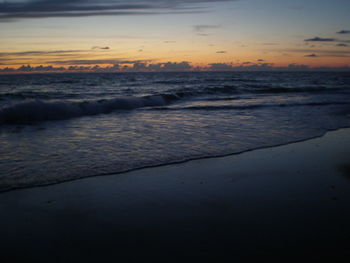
(284,204)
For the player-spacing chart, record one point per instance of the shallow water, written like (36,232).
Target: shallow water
(57,127)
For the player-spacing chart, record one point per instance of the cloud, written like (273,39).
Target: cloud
(28,68)
(270,44)
(320,39)
(221,52)
(6,60)
(173,66)
(323,52)
(342,45)
(139,66)
(271,67)
(40,56)
(311,56)
(343,32)
(260,60)
(102,48)
(95,61)
(168,66)
(220,67)
(10,11)
(297,67)
(245,66)
(202,28)
(39,52)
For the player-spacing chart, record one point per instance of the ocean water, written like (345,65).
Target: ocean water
(59,127)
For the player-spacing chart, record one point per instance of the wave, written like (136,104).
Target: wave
(252,89)
(223,98)
(200,90)
(36,95)
(251,106)
(69,81)
(277,89)
(38,111)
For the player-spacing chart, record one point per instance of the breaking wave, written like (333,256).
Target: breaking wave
(38,110)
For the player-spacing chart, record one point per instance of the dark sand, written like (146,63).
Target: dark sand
(283,204)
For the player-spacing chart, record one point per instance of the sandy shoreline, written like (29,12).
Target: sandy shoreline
(284,203)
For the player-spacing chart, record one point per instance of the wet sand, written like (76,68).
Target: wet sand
(284,204)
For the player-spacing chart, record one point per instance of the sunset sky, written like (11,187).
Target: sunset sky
(276,33)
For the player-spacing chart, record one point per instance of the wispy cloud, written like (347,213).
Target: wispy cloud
(39,53)
(203,28)
(311,56)
(270,44)
(320,39)
(342,45)
(323,52)
(343,32)
(102,48)
(96,61)
(221,52)
(10,11)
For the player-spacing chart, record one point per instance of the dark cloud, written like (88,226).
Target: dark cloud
(28,68)
(159,67)
(298,67)
(173,66)
(271,67)
(260,60)
(311,56)
(245,66)
(320,39)
(7,70)
(344,32)
(221,52)
(220,67)
(102,48)
(342,45)
(139,66)
(79,8)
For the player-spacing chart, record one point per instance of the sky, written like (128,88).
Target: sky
(154,35)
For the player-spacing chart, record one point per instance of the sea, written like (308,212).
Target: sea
(66,126)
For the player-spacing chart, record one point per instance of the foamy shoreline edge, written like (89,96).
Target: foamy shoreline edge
(178,162)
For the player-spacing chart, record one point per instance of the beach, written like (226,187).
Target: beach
(210,131)
(284,203)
